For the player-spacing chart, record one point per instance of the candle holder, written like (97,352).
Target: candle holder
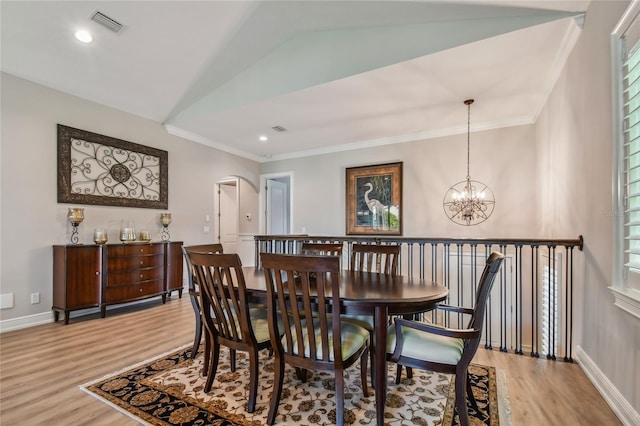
(127,231)
(165,220)
(100,236)
(75,216)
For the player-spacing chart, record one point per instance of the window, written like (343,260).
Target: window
(626,203)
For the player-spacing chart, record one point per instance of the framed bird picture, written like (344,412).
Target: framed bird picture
(374,199)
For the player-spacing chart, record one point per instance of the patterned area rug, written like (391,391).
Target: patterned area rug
(168,390)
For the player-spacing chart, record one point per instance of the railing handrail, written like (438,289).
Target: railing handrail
(551,242)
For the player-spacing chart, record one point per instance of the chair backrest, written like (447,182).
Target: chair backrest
(375,258)
(327,249)
(202,248)
(312,279)
(494,261)
(223,294)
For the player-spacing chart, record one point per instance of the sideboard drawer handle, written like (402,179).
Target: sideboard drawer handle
(141,275)
(140,290)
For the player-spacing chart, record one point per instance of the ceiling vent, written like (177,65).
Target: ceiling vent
(279,129)
(106,21)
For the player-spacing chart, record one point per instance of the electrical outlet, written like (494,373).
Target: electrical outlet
(6,301)
(35,298)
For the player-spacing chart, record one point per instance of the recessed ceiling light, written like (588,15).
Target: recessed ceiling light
(263,138)
(84,36)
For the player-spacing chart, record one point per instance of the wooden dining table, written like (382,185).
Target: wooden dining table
(367,293)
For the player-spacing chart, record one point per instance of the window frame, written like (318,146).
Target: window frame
(626,297)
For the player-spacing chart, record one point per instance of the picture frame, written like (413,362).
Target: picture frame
(374,199)
(100,170)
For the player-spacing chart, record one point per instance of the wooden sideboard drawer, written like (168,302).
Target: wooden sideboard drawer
(134,291)
(134,276)
(126,250)
(115,264)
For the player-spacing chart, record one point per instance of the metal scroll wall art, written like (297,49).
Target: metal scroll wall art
(100,170)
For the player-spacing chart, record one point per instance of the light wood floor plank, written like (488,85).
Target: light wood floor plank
(41,368)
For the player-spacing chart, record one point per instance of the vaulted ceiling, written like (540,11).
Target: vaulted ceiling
(335,74)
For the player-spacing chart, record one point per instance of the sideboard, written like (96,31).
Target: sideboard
(90,276)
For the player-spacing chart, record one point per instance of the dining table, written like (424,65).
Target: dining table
(370,293)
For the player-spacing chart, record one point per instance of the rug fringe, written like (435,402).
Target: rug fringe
(115,406)
(504,405)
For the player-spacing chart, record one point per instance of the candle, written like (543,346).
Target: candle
(100,236)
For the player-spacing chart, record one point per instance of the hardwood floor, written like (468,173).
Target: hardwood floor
(41,368)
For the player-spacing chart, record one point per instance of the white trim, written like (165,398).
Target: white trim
(185,134)
(625,297)
(628,300)
(26,321)
(412,137)
(47,317)
(620,406)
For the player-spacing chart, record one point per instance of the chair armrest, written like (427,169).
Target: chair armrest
(458,309)
(467,334)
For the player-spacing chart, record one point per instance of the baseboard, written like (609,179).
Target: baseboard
(47,317)
(26,321)
(620,406)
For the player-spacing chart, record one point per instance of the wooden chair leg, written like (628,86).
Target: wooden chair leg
(372,352)
(461,400)
(339,379)
(232,356)
(302,374)
(398,374)
(278,380)
(213,366)
(253,381)
(207,352)
(198,336)
(470,397)
(363,372)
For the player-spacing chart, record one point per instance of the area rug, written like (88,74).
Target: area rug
(168,390)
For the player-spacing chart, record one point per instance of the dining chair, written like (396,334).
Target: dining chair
(194,295)
(227,317)
(320,342)
(328,249)
(431,347)
(380,258)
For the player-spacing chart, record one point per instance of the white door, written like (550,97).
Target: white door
(277,206)
(228,216)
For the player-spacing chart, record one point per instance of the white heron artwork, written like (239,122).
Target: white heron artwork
(377,209)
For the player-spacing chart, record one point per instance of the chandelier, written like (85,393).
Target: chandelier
(468,202)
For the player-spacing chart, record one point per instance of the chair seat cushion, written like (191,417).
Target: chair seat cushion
(426,346)
(353,337)
(259,323)
(365,321)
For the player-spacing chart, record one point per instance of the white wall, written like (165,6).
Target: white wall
(574,137)
(504,159)
(32,220)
